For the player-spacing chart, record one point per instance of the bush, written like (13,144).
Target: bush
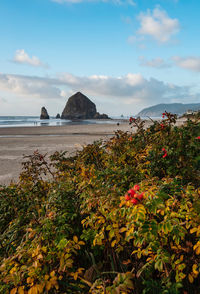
(122,216)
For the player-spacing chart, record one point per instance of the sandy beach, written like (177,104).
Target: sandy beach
(15,142)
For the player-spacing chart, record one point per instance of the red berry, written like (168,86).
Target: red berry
(136,187)
(134,201)
(131,192)
(131,119)
(127,197)
(140,197)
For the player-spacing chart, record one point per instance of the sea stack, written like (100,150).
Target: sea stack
(58,115)
(80,106)
(44,113)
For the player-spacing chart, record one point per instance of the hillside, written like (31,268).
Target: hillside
(178,108)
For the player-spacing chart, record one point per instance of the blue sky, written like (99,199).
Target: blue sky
(123,54)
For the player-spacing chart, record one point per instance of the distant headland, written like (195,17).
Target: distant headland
(177,108)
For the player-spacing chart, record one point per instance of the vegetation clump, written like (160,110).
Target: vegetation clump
(122,216)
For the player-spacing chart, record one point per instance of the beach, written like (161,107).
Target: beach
(15,142)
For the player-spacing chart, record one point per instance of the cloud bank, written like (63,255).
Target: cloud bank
(129,89)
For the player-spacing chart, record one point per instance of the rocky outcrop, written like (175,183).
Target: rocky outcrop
(80,107)
(101,116)
(58,115)
(44,113)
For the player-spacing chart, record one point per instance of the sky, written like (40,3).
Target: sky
(124,55)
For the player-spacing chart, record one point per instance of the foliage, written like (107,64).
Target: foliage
(122,216)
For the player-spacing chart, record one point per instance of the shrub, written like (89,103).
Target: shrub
(121,216)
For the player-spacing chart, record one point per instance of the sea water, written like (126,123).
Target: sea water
(30,121)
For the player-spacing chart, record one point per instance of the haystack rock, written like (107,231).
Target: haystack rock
(58,115)
(44,113)
(80,107)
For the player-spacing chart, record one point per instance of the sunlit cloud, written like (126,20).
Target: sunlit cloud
(158,25)
(21,57)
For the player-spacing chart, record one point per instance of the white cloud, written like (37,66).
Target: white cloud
(120,2)
(190,63)
(22,57)
(157,62)
(158,25)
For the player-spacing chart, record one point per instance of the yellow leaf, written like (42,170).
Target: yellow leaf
(113,243)
(193,230)
(75,276)
(190,278)
(33,290)
(122,230)
(81,243)
(21,290)
(115,225)
(75,239)
(40,288)
(198,250)
(80,270)
(48,286)
(13,291)
(194,269)
(52,274)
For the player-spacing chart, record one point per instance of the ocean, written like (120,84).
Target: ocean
(35,121)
